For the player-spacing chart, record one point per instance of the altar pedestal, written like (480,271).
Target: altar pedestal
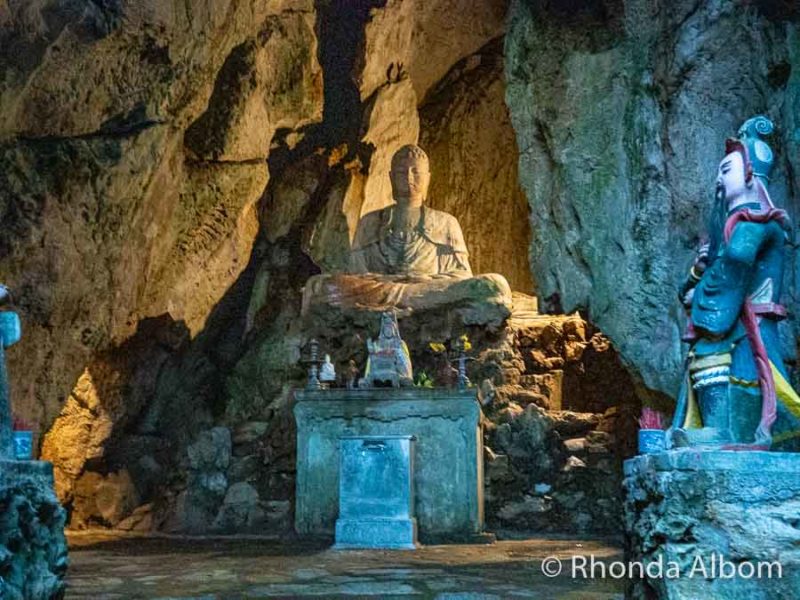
(721,524)
(448,455)
(376,492)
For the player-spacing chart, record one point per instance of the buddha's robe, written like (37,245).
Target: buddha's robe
(434,247)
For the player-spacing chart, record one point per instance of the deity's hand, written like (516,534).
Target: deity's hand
(699,266)
(701,260)
(687,298)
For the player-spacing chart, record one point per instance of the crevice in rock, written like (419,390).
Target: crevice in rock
(340,28)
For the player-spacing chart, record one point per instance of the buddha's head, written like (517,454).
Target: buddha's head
(410,175)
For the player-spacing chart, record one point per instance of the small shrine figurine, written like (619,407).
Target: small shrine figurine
(736,393)
(327,372)
(351,375)
(389,360)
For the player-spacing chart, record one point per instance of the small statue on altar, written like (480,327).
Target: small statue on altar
(389,360)
(736,393)
(327,372)
(351,375)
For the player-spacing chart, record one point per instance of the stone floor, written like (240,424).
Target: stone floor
(104,566)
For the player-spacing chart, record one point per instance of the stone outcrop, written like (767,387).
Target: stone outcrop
(130,168)
(621,110)
(725,521)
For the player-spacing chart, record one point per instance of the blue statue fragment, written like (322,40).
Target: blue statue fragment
(10,333)
(736,393)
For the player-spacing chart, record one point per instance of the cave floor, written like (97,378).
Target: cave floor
(109,566)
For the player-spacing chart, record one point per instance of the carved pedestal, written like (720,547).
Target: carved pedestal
(376,492)
(448,462)
(719,524)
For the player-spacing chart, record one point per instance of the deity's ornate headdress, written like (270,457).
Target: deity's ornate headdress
(756,154)
(759,152)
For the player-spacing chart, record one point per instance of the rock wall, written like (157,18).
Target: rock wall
(467,133)
(170,176)
(129,170)
(621,108)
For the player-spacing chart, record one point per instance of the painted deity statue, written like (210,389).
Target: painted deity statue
(10,334)
(389,360)
(736,393)
(407,255)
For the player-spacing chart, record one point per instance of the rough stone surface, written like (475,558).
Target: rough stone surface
(33,549)
(621,109)
(473,178)
(136,566)
(739,507)
(133,148)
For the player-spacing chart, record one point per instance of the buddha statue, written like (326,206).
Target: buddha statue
(409,257)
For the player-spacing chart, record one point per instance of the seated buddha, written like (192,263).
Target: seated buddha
(409,257)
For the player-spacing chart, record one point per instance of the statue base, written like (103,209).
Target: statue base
(713,524)
(376,493)
(33,549)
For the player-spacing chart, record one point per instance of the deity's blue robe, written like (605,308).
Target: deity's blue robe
(747,267)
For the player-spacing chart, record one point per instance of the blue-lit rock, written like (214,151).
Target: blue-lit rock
(33,549)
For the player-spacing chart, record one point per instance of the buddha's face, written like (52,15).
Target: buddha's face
(731,178)
(410,179)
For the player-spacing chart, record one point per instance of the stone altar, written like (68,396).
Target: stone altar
(448,471)
(735,507)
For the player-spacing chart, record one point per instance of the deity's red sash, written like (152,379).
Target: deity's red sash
(750,322)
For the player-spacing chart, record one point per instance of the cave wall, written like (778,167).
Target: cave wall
(621,109)
(171,173)
(112,209)
(133,146)
(466,130)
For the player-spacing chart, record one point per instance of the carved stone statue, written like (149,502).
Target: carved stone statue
(327,372)
(736,392)
(407,256)
(389,360)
